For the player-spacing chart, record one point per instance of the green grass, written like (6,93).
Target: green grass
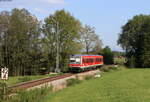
(127,85)
(18,79)
(28,96)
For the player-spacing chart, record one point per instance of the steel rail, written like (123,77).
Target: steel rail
(33,83)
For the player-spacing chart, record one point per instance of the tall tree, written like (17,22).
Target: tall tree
(19,35)
(108,55)
(134,39)
(89,39)
(62,26)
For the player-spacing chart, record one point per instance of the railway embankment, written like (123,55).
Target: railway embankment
(57,83)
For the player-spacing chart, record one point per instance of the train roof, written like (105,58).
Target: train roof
(85,55)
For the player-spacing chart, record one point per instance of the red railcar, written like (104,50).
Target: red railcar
(83,62)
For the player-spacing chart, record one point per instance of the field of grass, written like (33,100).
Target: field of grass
(18,79)
(126,85)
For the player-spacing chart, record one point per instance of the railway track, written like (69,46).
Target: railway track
(29,84)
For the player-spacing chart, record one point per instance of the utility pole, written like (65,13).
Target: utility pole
(57,32)
(57,70)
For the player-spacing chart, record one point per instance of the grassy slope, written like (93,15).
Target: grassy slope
(129,85)
(15,80)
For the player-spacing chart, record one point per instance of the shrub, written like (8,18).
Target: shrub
(4,91)
(113,68)
(108,68)
(30,96)
(105,69)
(73,81)
(88,77)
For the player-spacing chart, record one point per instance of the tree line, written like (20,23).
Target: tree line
(135,40)
(29,46)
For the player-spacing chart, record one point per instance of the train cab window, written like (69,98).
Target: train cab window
(75,60)
(78,60)
(72,61)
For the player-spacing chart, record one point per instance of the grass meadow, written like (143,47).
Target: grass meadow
(125,85)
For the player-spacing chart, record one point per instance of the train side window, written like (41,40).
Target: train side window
(100,59)
(92,60)
(87,60)
(84,60)
(96,59)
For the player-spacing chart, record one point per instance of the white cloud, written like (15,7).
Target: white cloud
(54,1)
(31,3)
(40,8)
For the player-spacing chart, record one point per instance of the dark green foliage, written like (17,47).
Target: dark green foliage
(19,37)
(132,62)
(135,39)
(108,55)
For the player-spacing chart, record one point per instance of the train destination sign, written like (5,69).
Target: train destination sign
(4,73)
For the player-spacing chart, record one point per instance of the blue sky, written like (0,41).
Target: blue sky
(107,16)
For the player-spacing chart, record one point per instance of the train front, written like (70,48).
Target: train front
(75,63)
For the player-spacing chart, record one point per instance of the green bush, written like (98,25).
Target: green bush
(88,77)
(108,68)
(113,68)
(73,81)
(105,69)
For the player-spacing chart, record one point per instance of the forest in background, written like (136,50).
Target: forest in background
(28,46)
